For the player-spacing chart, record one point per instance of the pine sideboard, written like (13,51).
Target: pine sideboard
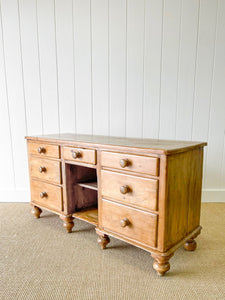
(142,191)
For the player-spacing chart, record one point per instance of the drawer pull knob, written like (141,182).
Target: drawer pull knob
(42,169)
(124,222)
(41,150)
(76,154)
(124,189)
(124,163)
(43,195)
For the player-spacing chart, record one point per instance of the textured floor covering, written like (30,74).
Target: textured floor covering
(39,260)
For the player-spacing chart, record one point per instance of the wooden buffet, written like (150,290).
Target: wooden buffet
(142,191)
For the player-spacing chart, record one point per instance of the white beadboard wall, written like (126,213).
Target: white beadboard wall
(135,68)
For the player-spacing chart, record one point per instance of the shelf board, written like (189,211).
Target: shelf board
(89,215)
(89,185)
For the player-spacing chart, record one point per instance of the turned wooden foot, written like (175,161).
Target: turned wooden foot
(161,264)
(190,245)
(103,240)
(67,223)
(36,211)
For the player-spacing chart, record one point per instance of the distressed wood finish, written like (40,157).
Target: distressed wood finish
(80,155)
(46,195)
(134,163)
(144,192)
(44,169)
(132,223)
(128,144)
(43,149)
(139,191)
(183,193)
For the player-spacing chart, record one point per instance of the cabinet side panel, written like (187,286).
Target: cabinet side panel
(195,190)
(184,183)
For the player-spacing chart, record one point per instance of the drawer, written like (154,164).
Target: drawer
(43,149)
(135,163)
(139,191)
(47,195)
(45,169)
(137,225)
(80,155)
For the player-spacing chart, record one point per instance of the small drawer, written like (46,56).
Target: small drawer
(80,155)
(142,192)
(45,169)
(43,149)
(47,195)
(137,225)
(134,163)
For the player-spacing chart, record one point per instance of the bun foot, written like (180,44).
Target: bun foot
(190,245)
(161,264)
(67,223)
(36,212)
(103,240)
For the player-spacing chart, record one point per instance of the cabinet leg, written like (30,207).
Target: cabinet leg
(36,211)
(161,264)
(67,223)
(190,245)
(103,240)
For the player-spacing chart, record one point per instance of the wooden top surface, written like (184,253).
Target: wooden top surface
(160,146)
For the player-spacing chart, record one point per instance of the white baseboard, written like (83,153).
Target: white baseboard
(14,195)
(213,195)
(208,195)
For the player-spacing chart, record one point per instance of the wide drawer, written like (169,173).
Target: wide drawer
(45,169)
(80,155)
(142,192)
(137,225)
(43,149)
(135,163)
(47,195)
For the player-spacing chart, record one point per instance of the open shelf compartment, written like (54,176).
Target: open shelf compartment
(82,193)
(89,215)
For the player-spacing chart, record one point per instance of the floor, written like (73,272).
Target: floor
(39,260)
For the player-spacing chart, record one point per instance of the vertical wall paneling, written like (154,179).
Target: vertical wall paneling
(170,67)
(187,63)
(48,65)
(213,178)
(152,67)
(135,66)
(100,66)
(83,65)
(29,47)
(15,88)
(117,66)
(204,69)
(65,61)
(8,180)
(204,72)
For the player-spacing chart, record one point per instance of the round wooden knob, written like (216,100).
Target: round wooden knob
(41,150)
(124,189)
(76,154)
(43,195)
(124,222)
(124,162)
(42,169)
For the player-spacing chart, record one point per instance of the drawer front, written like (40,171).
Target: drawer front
(142,192)
(140,226)
(79,155)
(44,150)
(135,163)
(45,169)
(47,195)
